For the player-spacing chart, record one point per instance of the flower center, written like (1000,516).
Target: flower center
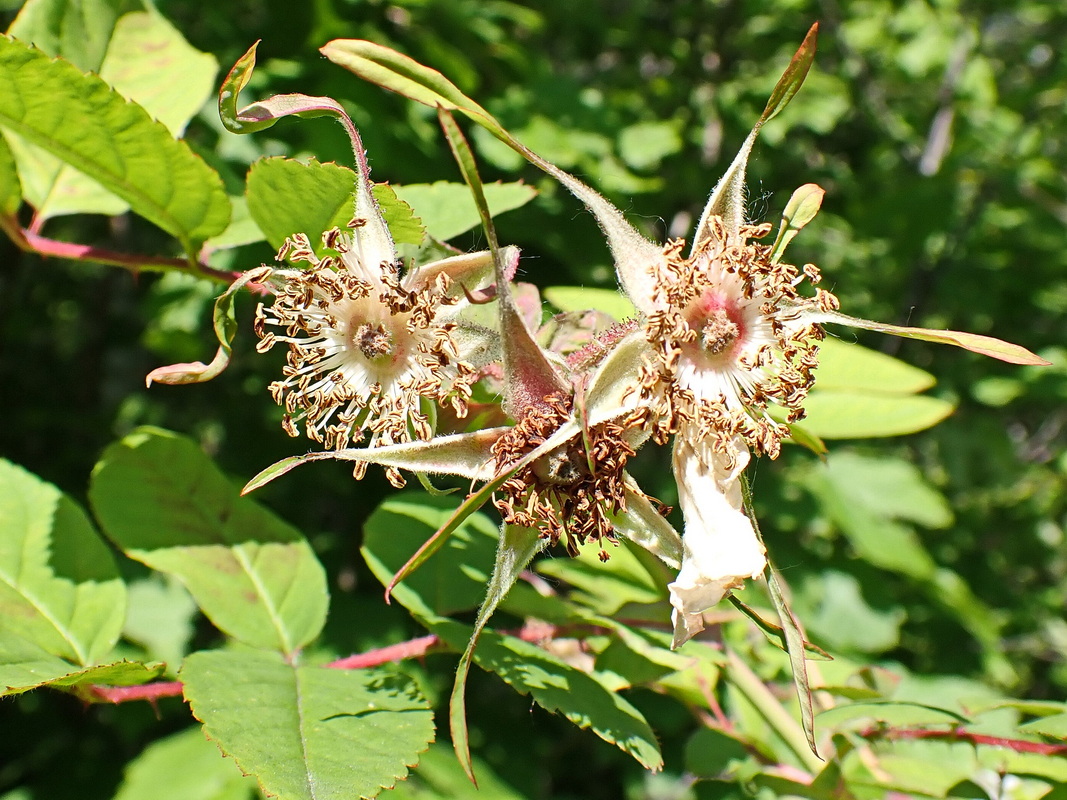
(719,333)
(373,341)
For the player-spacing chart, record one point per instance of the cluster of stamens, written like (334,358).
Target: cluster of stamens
(571,493)
(365,351)
(729,338)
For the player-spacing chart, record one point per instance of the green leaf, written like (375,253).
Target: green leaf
(448,210)
(401,219)
(86,124)
(645,144)
(439,775)
(80,32)
(1054,727)
(888,712)
(287,197)
(835,414)
(308,733)
(455,580)
(557,686)
(517,548)
(10,187)
(160,618)
(24,665)
(799,211)
(581,298)
(890,487)
(834,609)
(711,753)
(165,504)
(852,367)
(59,586)
(183,766)
(178,83)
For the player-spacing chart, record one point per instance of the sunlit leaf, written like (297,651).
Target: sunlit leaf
(147,61)
(580,298)
(308,733)
(447,209)
(799,211)
(59,586)
(86,124)
(888,712)
(166,504)
(834,414)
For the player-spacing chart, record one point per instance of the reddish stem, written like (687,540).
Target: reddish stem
(146,691)
(961,735)
(413,648)
(383,655)
(33,242)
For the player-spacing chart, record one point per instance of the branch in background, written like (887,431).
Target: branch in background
(30,242)
(413,648)
(961,735)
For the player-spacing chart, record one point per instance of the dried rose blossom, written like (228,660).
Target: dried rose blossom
(367,347)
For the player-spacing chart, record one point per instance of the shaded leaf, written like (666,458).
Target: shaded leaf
(165,504)
(10,187)
(59,586)
(453,581)
(308,733)
(557,686)
(182,766)
(440,775)
(607,586)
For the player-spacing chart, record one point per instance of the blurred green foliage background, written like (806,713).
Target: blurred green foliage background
(936,128)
